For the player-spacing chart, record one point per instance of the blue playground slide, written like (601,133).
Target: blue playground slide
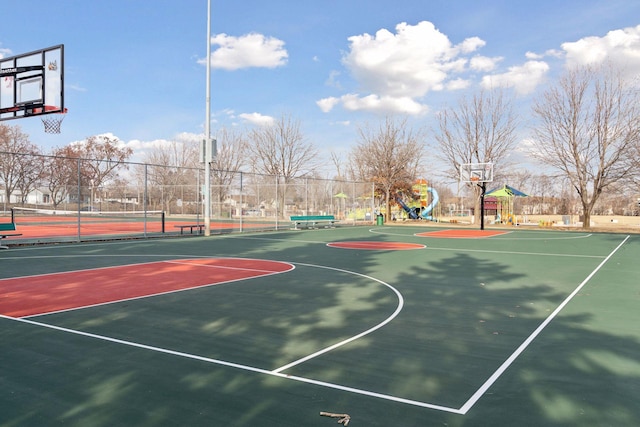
(426,212)
(416,213)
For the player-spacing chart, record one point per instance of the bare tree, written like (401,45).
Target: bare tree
(389,155)
(230,157)
(16,164)
(588,126)
(282,150)
(479,130)
(169,166)
(94,161)
(105,154)
(338,163)
(31,172)
(61,173)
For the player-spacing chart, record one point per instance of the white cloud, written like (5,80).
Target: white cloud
(247,51)
(554,53)
(409,63)
(397,69)
(107,135)
(382,104)
(621,47)
(484,63)
(471,44)
(333,79)
(533,56)
(189,137)
(327,104)
(523,78)
(257,119)
(139,147)
(458,84)
(5,53)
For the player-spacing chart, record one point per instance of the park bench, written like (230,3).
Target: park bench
(191,227)
(312,221)
(5,231)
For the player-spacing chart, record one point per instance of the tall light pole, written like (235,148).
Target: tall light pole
(208,155)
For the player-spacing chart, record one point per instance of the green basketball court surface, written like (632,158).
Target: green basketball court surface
(393,326)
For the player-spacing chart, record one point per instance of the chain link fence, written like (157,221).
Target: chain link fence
(69,199)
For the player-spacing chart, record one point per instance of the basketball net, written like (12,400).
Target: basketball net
(52,122)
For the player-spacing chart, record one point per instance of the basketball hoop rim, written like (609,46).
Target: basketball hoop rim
(53,121)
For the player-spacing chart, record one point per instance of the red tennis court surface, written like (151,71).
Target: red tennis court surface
(63,227)
(462,234)
(380,246)
(31,295)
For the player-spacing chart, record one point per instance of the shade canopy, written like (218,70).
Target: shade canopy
(506,191)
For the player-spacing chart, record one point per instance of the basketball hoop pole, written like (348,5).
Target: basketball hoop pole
(484,190)
(478,174)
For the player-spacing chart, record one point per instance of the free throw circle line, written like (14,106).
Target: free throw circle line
(355,337)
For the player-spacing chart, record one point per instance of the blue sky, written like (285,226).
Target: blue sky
(136,68)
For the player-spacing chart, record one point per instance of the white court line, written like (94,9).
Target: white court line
(494,377)
(274,239)
(462,410)
(275,373)
(173,259)
(527,239)
(267,273)
(514,253)
(236,365)
(452,249)
(424,234)
(54,273)
(355,337)
(496,237)
(224,267)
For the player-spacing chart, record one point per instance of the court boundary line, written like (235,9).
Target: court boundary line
(232,364)
(447,249)
(174,260)
(470,237)
(222,267)
(515,253)
(525,344)
(497,237)
(275,372)
(468,405)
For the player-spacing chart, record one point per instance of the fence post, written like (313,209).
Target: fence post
(79,197)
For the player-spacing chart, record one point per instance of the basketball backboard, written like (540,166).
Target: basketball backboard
(476,172)
(32,84)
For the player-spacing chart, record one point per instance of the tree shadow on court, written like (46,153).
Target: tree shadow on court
(466,316)
(463,315)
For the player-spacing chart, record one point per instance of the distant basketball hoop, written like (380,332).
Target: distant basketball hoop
(476,173)
(53,122)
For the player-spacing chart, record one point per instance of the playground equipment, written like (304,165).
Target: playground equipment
(419,207)
(504,202)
